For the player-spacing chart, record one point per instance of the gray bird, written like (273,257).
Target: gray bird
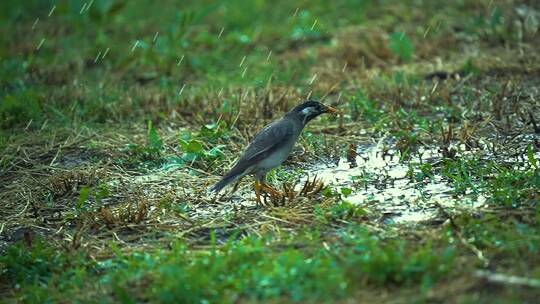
(272,145)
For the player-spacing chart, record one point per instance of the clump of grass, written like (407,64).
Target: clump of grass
(512,239)
(512,187)
(148,155)
(392,262)
(340,211)
(401,46)
(203,145)
(505,186)
(19,109)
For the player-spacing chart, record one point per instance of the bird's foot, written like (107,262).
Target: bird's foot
(270,190)
(267,192)
(257,187)
(266,195)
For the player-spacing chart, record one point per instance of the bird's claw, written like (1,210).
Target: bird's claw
(271,196)
(266,191)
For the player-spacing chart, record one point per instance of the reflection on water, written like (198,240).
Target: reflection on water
(384,185)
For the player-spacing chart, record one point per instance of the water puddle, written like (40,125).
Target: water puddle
(377,180)
(383,185)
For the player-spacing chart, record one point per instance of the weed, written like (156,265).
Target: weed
(513,187)
(341,210)
(390,262)
(19,109)
(420,172)
(401,46)
(259,273)
(360,106)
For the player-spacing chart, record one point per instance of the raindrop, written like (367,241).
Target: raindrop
(105,54)
(35,23)
(295,12)
(314,23)
(220,32)
(82,9)
(40,44)
(434,87)
(182,90)
(220,91)
(244,73)
(155,37)
(269,54)
(313,79)
(309,95)
(52,10)
(242,62)
(97,57)
(180,61)
(135,45)
(89,5)
(427,31)
(344,67)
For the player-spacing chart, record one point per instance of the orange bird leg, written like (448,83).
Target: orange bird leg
(257,187)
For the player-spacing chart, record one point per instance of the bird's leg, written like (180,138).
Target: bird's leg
(257,187)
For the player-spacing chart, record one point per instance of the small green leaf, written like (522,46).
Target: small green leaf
(183,143)
(346,191)
(83,196)
(328,192)
(194,146)
(101,193)
(215,152)
(530,156)
(154,141)
(189,157)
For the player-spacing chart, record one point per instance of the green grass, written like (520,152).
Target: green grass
(247,269)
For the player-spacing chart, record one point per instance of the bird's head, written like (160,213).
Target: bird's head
(310,109)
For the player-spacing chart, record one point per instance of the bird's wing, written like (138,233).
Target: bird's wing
(266,141)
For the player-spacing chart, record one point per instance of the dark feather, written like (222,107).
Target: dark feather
(268,140)
(225,180)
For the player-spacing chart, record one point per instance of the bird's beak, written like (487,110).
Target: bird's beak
(329,109)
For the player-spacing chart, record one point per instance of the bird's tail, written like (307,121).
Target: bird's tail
(226,180)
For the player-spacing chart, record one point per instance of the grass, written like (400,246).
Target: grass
(250,269)
(115,118)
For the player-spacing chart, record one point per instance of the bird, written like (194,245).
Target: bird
(271,146)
